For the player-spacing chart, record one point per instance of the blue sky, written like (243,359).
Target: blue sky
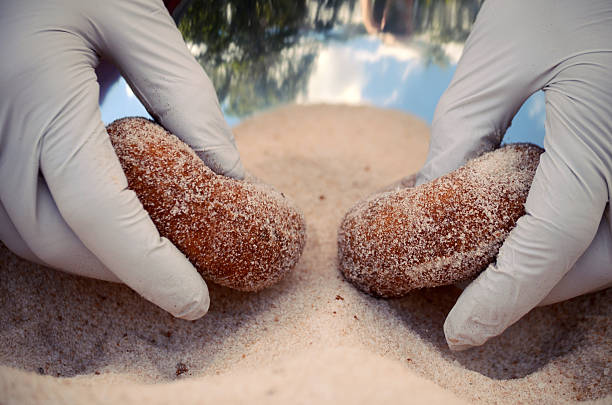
(121,102)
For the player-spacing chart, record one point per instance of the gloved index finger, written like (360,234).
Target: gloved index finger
(143,41)
(90,190)
(564,209)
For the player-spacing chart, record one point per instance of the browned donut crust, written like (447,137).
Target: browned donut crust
(238,234)
(438,233)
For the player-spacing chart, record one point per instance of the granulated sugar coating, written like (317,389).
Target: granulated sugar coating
(438,233)
(241,235)
(67,339)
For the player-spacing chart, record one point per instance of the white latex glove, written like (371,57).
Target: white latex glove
(64,197)
(562,247)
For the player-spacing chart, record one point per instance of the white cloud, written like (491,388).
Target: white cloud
(128,91)
(399,52)
(410,67)
(337,77)
(453,50)
(537,107)
(538,104)
(341,70)
(392,98)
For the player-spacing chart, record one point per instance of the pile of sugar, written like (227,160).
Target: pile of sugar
(238,234)
(313,335)
(438,233)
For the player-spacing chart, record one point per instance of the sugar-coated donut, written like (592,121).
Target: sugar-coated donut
(238,234)
(440,232)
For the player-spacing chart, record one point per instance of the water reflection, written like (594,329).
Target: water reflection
(260,54)
(264,54)
(390,53)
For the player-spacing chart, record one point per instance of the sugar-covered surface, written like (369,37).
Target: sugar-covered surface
(239,234)
(441,232)
(312,337)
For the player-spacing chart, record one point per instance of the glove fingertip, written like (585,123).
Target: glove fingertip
(455,333)
(451,339)
(197,306)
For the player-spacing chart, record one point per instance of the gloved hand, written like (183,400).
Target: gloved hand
(64,197)
(562,247)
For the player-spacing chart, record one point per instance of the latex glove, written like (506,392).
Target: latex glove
(64,197)
(562,247)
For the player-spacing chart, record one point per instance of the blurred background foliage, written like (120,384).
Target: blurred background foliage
(260,53)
